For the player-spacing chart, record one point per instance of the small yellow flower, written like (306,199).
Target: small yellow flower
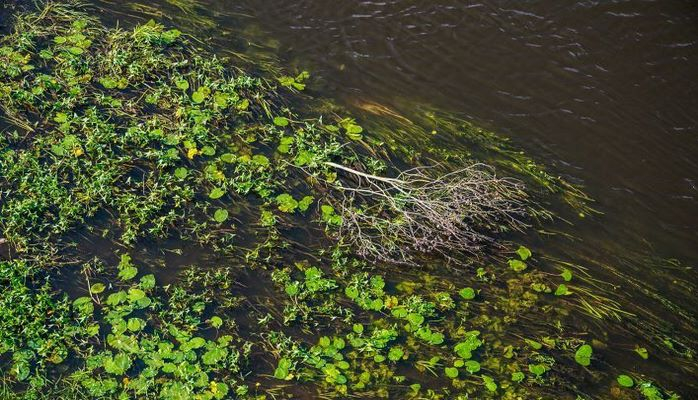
(78,151)
(391,302)
(193,152)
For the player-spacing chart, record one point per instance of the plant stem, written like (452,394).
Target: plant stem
(363,174)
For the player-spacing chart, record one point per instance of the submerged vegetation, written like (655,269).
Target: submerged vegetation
(126,148)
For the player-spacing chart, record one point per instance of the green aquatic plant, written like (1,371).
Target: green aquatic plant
(583,355)
(625,381)
(37,325)
(139,140)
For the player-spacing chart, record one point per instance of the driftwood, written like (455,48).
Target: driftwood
(420,212)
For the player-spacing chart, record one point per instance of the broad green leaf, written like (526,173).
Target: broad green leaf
(467,293)
(523,252)
(280,121)
(216,193)
(286,203)
(517,265)
(562,290)
(220,215)
(97,288)
(625,381)
(181,172)
(583,355)
(566,275)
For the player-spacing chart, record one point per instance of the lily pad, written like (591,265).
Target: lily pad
(220,215)
(583,355)
(625,381)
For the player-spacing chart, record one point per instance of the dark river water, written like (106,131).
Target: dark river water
(604,93)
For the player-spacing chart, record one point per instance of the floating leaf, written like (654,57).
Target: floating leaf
(451,372)
(282,370)
(216,193)
(182,84)
(490,384)
(395,354)
(214,355)
(127,273)
(117,298)
(170,36)
(534,344)
(107,82)
(329,216)
(415,319)
(467,293)
(562,290)
(181,172)
(83,305)
(75,50)
(517,265)
(566,275)
(135,324)
(198,97)
(517,376)
(135,294)
(117,365)
(286,203)
(260,159)
(304,158)
(285,144)
(472,366)
(280,121)
(220,215)
(642,352)
(583,355)
(97,288)
(625,381)
(352,292)
(305,203)
(537,369)
(358,328)
(523,252)
(147,281)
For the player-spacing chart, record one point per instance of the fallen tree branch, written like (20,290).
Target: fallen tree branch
(420,212)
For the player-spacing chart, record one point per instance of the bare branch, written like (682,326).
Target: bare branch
(393,219)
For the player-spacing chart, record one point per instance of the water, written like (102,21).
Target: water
(604,93)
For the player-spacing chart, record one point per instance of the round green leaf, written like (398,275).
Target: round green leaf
(625,381)
(583,355)
(220,215)
(216,193)
(451,372)
(97,288)
(280,121)
(467,293)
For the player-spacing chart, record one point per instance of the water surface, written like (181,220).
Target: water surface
(603,93)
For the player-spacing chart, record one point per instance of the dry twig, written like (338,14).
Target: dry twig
(392,219)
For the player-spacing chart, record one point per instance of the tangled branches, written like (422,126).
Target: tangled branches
(392,219)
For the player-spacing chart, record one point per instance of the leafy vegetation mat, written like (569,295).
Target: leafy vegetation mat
(131,158)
